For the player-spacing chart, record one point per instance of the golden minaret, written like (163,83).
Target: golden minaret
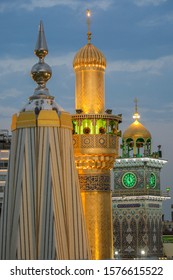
(95,137)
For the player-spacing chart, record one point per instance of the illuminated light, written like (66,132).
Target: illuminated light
(88,13)
(136,116)
(116,253)
(142,252)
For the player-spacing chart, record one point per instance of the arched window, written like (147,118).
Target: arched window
(87,127)
(147,148)
(112,126)
(141,233)
(124,236)
(75,127)
(133,227)
(100,126)
(129,147)
(140,143)
(116,234)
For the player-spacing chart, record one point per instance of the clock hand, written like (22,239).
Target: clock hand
(130,179)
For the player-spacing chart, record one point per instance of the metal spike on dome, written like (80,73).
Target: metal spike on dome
(41,72)
(136,104)
(88,15)
(41,49)
(136,115)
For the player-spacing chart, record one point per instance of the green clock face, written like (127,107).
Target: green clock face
(152,181)
(129,180)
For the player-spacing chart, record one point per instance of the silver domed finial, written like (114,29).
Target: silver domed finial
(41,71)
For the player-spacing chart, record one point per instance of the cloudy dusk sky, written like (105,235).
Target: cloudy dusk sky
(136,36)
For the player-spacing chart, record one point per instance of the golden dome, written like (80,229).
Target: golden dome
(89,55)
(136,130)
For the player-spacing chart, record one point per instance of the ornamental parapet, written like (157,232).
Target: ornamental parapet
(117,118)
(143,161)
(135,193)
(44,118)
(94,161)
(95,144)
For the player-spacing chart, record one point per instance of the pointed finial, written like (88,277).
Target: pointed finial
(136,115)
(88,15)
(41,49)
(136,105)
(41,71)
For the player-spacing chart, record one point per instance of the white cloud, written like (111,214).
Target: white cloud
(32,4)
(61,60)
(12,65)
(3,7)
(11,92)
(7,111)
(10,5)
(153,66)
(72,4)
(157,20)
(170,106)
(142,3)
(102,4)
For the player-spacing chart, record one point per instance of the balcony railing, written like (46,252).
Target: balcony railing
(150,192)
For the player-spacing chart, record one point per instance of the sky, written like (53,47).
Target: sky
(136,37)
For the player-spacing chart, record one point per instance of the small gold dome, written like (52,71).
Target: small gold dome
(89,55)
(136,130)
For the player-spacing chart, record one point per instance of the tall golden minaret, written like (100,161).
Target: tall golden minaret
(95,137)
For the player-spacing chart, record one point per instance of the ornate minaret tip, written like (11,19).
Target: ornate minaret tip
(136,115)
(41,49)
(41,71)
(88,16)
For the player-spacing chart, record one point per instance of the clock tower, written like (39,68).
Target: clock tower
(137,198)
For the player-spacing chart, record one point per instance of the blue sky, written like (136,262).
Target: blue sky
(136,37)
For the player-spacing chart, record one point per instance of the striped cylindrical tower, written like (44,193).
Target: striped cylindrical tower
(42,214)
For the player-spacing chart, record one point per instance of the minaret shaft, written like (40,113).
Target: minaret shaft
(95,146)
(90,90)
(96,198)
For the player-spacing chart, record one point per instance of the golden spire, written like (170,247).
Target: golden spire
(136,115)
(136,129)
(89,65)
(88,15)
